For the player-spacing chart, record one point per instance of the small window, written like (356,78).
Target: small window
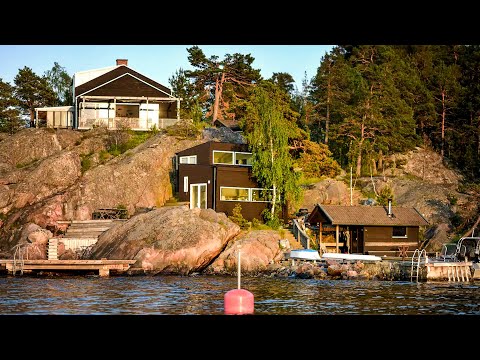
(192,159)
(243,158)
(399,231)
(233,194)
(223,157)
(185,184)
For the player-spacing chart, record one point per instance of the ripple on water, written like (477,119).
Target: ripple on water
(204,295)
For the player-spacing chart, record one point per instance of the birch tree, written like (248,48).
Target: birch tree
(268,138)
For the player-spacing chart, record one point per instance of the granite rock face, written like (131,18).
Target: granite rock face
(168,240)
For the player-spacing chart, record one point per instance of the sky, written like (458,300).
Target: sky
(158,62)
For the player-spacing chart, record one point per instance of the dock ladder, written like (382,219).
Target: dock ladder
(415,267)
(18,259)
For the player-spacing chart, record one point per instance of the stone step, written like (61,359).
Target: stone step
(87,229)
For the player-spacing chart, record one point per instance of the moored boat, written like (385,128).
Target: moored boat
(304,254)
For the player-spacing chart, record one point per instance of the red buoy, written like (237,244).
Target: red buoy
(238,302)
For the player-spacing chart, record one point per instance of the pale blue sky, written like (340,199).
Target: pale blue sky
(158,62)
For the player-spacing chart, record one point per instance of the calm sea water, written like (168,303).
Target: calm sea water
(204,295)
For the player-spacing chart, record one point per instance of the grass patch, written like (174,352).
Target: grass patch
(25,164)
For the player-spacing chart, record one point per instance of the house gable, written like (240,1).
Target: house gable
(123,81)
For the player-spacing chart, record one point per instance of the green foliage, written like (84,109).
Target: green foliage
(452,199)
(86,162)
(25,164)
(10,121)
(316,161)
(385,193)
(60,82)
(184,130)
(230,78)
(120,141)
(238,218)
(267,135)
(32,91)
(154,129)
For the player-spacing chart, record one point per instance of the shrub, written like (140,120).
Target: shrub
(238,218)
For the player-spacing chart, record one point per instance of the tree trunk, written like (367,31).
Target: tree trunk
(272,159)
(443,123)
(218,94)
(472,228)
(478,137)
(327,119)
(380,159)
(32,118)
(374,167)
(360,145)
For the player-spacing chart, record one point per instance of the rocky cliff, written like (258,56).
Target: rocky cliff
(44,178)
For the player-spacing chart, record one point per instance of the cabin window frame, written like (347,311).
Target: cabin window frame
(234,157)
(235,187)
(404,228)
(189,158)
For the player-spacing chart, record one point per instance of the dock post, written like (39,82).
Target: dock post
(105,271)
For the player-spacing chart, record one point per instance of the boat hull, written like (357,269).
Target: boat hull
(351,257)
(304,254)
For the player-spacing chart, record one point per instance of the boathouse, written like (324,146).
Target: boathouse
(373,230)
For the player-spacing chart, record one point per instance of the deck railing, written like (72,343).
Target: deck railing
(124,123)
(300,234)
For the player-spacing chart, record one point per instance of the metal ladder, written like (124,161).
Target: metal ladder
(18,258)
(416,264)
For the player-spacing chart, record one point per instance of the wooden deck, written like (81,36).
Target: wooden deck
(102,266)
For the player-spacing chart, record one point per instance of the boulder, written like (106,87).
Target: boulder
(258,249)
(168,240)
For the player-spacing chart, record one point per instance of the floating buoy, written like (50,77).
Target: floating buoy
(238,301)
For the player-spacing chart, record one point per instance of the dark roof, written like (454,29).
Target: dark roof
(115,73)
(372,215)
(228,123)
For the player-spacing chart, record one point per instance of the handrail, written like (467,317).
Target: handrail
(300,234)
(418,253)
(18,252)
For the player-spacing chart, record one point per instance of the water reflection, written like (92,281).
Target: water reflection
(204,295)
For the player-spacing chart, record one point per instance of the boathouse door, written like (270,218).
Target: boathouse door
(357,240)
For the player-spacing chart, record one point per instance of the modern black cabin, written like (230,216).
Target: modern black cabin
(218,176)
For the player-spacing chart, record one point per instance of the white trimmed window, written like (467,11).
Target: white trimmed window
(185,184)
(243,158)
(223,157)
(234,193)
(192,159)
(230,193)
(232,158)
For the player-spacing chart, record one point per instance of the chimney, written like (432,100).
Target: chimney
(122,62)
(389,208)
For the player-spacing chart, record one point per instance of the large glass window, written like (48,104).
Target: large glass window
(234,194)
(262,195)
(399,231)
(243,158)
(222,157)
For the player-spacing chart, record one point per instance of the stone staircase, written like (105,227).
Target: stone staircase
(52,250)
(294,244)
(83,233)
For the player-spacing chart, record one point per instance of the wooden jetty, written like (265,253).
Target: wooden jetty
(103,266)
(450,270)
